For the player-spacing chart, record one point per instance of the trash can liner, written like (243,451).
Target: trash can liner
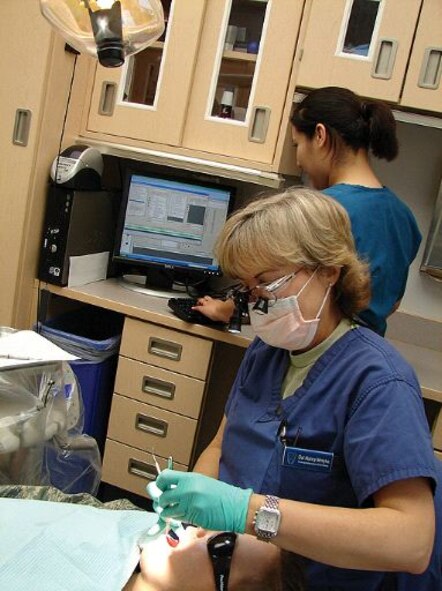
(41,430)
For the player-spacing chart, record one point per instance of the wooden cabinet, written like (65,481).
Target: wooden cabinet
(36,75)
(370,47)
(423,82)
(171,94)
(147,99)
(21,107)
(159,389)
(258,81)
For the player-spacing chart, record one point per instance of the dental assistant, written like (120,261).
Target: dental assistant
(336,132)
(324,449)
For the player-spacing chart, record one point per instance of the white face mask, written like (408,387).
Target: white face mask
(284,326)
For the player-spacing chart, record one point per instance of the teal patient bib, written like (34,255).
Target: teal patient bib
(48,546)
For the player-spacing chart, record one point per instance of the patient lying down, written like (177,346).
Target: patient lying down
(75,542)
(255,566)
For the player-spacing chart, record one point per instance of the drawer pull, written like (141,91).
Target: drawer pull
(260,124)
(431,69)
(107,99)
(158,388)
(165,349)
(151,425)
(385,58)
(141,469)
(22,126)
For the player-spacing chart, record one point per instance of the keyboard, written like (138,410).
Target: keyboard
(182,307)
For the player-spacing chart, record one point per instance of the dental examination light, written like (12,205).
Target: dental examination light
(109,30)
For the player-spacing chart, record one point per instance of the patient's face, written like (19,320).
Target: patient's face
(188,568)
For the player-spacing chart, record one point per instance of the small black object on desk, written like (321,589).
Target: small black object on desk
(182,307)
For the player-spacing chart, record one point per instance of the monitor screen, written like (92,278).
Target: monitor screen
(171,223)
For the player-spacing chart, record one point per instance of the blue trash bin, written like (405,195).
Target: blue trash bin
(94,335)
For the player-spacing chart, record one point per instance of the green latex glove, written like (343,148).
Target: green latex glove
(202,501)
(162,525)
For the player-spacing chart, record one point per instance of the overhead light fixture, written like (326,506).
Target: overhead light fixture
(109,30)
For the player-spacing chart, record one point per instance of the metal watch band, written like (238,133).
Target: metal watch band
(271,502)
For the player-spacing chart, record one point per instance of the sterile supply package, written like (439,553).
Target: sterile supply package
(50,546)
(41,424)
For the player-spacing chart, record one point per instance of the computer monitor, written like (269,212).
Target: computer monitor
(167,229)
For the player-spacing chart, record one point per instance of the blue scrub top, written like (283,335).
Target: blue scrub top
(387,236)
(360,401)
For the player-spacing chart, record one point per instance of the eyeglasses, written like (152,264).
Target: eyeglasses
(220,548)
(264,294)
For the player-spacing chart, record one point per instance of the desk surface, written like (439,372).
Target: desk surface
(111,295)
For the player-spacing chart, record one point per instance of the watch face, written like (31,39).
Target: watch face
(267,520)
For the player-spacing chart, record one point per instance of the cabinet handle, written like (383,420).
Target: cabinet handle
(107,99)
(260,124)
(141,469)
(151,425)
(385,58)
(165,349)
(22,126)
(158,388)
(429,76)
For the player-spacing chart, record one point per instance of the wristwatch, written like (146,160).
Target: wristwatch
(267,519)
(220,548)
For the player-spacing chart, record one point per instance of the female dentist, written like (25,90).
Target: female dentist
(335,131)
(324,449)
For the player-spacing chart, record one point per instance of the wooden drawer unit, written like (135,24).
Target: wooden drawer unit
(163,347)
(148,427)
(159,387)
(129,468)
(158,399)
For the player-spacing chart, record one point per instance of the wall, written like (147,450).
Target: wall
(416,176)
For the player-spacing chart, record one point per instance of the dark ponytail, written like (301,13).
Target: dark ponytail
(349,120)
(382,130)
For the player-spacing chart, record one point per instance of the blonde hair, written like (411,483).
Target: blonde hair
(297,227)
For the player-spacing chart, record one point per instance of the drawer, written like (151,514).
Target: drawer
(163,347)
(159,387)
(129,468)
(150,428)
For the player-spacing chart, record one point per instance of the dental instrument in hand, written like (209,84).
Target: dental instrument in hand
(171,536)
(169,525)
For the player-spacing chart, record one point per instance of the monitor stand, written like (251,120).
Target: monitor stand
(138,283)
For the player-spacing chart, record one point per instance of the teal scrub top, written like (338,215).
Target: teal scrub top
(387,237)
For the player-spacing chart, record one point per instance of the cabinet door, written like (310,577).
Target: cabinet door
(147,98)
(24,71)
(423,82)
(360,44)
(241,76)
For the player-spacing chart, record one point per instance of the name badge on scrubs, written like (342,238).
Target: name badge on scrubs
(307,459)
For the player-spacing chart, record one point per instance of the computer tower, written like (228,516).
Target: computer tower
(76,223)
